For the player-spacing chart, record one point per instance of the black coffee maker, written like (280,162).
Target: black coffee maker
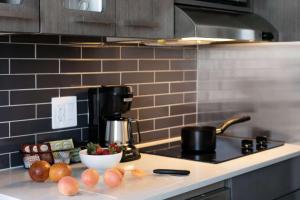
(107,104)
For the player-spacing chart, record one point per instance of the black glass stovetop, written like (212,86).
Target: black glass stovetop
(227,148)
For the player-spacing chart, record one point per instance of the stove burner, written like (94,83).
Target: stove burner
(227,148)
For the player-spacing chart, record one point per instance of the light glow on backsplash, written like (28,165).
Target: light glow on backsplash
(262,79)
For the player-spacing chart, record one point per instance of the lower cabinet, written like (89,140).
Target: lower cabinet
(278,181)
(292,196)
(220,194)
(217,191)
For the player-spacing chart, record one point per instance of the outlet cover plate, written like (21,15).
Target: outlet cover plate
(64,112)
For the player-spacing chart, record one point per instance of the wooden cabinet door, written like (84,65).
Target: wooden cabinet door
(283,15)
(145,18)
(63,17)
(19,16)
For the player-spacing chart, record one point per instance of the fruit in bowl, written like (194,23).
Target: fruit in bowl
(100,158)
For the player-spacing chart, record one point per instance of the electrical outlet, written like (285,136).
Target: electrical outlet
(64,112)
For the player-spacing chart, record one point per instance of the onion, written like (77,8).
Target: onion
(112,177)
(39,171)
(59,170)
(68,186)
(90,177)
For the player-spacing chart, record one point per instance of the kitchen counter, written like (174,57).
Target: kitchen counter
(16,182)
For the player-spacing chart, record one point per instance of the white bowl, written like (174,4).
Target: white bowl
(100,162)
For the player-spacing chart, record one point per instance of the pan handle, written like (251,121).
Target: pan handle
(230,122)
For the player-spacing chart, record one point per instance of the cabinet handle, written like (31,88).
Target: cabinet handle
(17,15)
(141,24)
(85,20)
(94,21)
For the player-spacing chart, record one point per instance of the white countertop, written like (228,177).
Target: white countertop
(16,182)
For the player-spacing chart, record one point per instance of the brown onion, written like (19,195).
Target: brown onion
(39,171)
(59,170)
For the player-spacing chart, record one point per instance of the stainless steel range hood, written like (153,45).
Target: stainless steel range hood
(193,23)
(201,25)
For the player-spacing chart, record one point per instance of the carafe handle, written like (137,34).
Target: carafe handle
(131,140)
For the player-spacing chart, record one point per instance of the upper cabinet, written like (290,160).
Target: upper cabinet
(284,15)
(19,16)
(145,18)
(78,17)
(114,18)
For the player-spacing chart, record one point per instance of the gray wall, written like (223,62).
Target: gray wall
(260,79)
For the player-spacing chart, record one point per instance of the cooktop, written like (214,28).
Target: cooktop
(227,148)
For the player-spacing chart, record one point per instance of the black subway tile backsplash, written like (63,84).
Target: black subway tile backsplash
(32,96)
(171,53)
(137,52)
(10,82)
(100,79)
(65,80)
(81,93)
(75,134)
(101,53)
(26,38)
(119,65)
(4,130)
(4,66)
(4,38)
(30,127)
(36,68)
(16,159)
(4,161)
(153,65)
(183,64)
(12,113)
(14,143)
(16,50)
(137,77)
(70,39)
(4,98)
(77,66)
(58,51)
(22,66)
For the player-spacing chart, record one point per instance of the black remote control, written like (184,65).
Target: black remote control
(171,172)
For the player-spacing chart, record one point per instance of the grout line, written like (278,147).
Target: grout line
(113,72)
(35,51)
(36,114)
(9,160)
(59,66)
(9,65)
(9,103)
(35,81)
(43,133)
(9,134)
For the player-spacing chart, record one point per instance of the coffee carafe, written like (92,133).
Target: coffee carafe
(107,104)
(120,131)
